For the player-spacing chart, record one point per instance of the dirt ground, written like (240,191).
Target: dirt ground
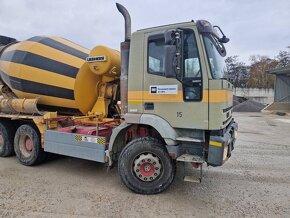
(255,182)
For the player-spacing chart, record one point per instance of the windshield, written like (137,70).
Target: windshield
(216,61)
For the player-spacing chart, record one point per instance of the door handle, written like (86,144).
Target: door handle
(149,106)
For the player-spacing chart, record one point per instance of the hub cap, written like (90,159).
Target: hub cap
(1,142)
(25,145)
(28,144)
(1,139)
(147,167)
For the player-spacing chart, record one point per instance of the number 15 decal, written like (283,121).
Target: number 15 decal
(178,114)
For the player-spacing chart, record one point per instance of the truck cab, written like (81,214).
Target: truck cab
(195,96)
(179,100)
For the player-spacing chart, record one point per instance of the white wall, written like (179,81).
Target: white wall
(265,96)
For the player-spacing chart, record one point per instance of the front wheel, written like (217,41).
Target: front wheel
(145,166)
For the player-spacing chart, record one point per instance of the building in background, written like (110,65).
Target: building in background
(261,95)
(281,90)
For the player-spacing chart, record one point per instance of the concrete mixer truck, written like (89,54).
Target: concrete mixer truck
(162,100)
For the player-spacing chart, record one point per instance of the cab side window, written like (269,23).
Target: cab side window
(192,87)
(156,55)
(191,57)
(191,77)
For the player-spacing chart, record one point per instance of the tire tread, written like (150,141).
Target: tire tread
(142,143)
(39,155)
(8,130)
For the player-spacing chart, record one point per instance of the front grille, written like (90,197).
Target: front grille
(227,120)
(227,109)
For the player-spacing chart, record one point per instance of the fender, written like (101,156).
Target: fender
(118,130)
(162,126)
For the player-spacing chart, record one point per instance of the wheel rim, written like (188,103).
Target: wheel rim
(1,139)
(147,167)
(25,145)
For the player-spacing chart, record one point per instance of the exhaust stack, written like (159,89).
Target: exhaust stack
(127,19)
(125,49)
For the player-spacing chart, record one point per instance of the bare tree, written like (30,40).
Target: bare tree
(258,76)
(283,58)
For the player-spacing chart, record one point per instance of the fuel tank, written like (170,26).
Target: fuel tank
(56,71)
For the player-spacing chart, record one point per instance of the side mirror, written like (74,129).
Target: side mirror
(170,61)
(224,39)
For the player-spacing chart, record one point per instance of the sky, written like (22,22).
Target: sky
(255,27)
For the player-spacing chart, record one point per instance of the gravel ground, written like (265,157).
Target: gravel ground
(255,182)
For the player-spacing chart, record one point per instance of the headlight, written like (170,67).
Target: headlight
(225,155)
(235,134)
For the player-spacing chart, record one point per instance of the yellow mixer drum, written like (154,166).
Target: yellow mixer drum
(47,68)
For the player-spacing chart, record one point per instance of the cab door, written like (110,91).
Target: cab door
(182,102)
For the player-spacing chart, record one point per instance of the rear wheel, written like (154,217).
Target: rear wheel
(27,146)
(145,166)
(7,132)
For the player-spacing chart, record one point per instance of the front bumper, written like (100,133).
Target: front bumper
(220,147)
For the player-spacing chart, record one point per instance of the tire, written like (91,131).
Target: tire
(27,146)
(7,132)
(138,169)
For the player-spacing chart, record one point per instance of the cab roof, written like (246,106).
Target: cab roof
(166,26)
